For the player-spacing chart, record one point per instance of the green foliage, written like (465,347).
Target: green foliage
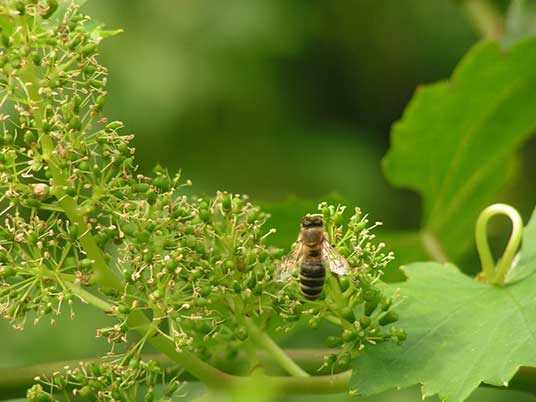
(194,276)
(456,142)
(197,279)
(460,332)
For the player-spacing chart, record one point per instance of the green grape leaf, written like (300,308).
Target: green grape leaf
(520,21)
(457,139)
(460,332)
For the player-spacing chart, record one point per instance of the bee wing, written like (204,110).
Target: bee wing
(290,263)
(336,262)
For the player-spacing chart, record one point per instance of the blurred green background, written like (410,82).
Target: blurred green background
(275,99)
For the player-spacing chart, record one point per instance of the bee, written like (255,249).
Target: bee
(312,253)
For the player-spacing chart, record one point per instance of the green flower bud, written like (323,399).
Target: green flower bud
(370,306)
(7,272)
(333,341)
(141,187)
(241,333)
(205,291)
(77,102)
(134,363)
(196,273)
(36,59)
(87,392)
(371,295)
(84,166)
(59,382)
(89,69)
(399,334)
(227,202)
(3,257)
(314,322)
(36,394)
(389,318)
(344,282)
(348,314)
(205,215)
(386,304)
(252,281)
(20,6)
(348,336)
(360,226)
(253,216)
(7,139)
(99,102)
(152,197)
(179,213)
(172,265)
(148,257)
(162,183)
(75,123)
(6,40)
(200,302)
(89,49)
(237,288)
(124,309)
(338,219)
(364,321)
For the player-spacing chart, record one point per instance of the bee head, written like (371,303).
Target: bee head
(310,221)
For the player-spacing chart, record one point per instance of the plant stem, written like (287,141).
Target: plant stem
(206,373)
(278,354)
(15,381)
(104,275)
(491,273)
(137,320)
(485,17)
(90,298)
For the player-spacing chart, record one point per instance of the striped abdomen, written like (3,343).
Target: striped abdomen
(312,275)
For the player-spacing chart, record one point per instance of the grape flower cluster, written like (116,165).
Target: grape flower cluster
(79,222)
